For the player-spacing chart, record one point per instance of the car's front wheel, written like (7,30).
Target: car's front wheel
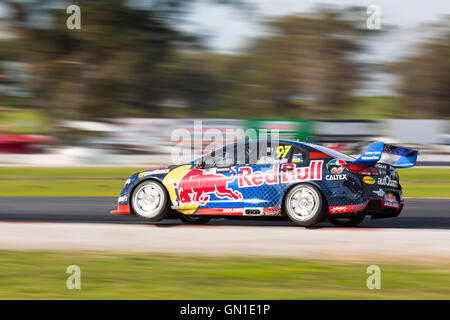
(304,205)
(149,201)
(347,221)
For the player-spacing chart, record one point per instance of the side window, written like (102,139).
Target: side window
(274,153)
(209,160)
(241,152)
(251,153)
(226,158)
(254,153)
(223,157)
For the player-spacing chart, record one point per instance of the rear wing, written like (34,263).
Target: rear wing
(398,157)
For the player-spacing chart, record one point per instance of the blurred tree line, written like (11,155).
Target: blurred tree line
(133,60)
(425,74)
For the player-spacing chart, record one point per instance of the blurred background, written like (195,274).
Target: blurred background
(114,91)
(83,109)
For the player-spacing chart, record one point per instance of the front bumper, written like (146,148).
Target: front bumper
(122,209)
(123,201)
(123,204)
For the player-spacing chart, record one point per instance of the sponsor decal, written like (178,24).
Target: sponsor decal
(339,209)
(122,199)
(391,201)
(272,211)
(233,210)
(157,171)
(347,208)
(254,201)
(388,182)
(269,160)
(313,172)
(369,180)
(250,178)
(369,158)
(297,158)
(336,166)
(371,155)
(336,177)
(379,193)
(197,185)
(372,152)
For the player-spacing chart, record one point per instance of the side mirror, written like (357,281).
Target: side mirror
(200,164)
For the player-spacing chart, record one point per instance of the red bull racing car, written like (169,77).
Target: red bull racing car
(305,182)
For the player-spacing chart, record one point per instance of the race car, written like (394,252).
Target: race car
(304,182)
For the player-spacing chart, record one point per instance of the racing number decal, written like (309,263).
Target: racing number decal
(282,151)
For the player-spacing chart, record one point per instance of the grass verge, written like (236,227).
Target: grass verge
(18,181)
(42,275)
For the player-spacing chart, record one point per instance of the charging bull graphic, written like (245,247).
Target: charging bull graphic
(197,185)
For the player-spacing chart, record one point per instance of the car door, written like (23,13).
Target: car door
(259,179)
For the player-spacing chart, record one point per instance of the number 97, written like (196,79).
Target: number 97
(282,151)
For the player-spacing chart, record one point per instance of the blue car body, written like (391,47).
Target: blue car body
(257,185)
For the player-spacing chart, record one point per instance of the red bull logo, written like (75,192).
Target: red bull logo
(289,174)
(197,185)
(313,172)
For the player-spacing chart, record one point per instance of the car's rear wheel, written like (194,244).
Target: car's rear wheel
(303,204)
(194,219)
(149,201)
(346,221)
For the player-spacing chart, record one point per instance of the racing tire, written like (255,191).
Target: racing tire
(194,219)
(304,205)
(346,222)
(149,200)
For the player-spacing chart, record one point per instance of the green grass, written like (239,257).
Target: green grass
(18,181)
(425,174)
(95,182)
(42,275)
(425,182)
(23,121)
(67,172)
(61,188)
(426,190)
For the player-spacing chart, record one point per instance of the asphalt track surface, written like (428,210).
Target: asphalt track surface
(421,233)
(417,214)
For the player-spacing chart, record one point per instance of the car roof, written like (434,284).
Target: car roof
(328,151)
